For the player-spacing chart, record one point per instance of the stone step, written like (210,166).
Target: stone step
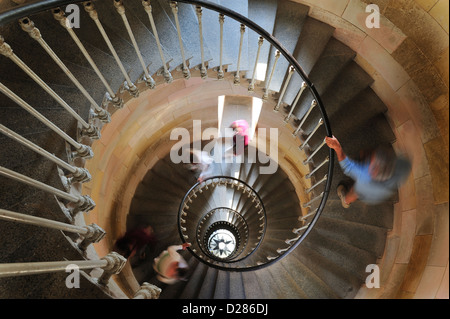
(263,13)
(288,26)
(311,285)
(343,283)
(189,25)
(145,39)
(312,41)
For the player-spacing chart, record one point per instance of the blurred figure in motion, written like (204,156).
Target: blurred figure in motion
(135,242)
(375,177)
(200,163)
(240,138)
(170,266)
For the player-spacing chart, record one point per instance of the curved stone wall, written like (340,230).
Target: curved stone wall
(139,135)
(408,57)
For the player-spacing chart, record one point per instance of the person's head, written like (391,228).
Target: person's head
(237,129)
(382,163)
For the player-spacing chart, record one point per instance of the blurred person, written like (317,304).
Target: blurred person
(170,266)
(135,241)
(240,137)
(375,177)
(200,163)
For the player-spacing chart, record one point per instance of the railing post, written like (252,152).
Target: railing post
(221,74)
(91,234)
(129,85)
(28,26)
(110,96)
(266,88)
(83,151)
(237,77)
(314,153)
(294,104)
(79,174)
(283,90)
(251,87)
(305,142)
(111,264)
(83,203)
(203,72)
(148,8)
(308,176)
(87,129)
(115,264)
(313,105)
(121,11)
(186,72)
(147,291)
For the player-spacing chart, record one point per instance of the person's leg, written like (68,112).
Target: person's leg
(347,194)
(351,196)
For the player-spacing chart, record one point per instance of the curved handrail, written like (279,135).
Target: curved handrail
(15,13)
(20,11)
(288,56)
(181,209)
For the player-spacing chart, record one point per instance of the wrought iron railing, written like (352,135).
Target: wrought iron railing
(99,116)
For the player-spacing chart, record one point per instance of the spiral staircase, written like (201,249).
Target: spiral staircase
(287,246)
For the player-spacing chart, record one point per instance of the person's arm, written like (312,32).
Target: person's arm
(334,144)
(174,248)
(349,167)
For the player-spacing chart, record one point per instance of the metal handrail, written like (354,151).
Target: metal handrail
(289,57)
(186,196)
(35,7)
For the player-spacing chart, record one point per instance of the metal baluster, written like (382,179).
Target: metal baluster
(87,129)
(148,8)
(313,105)
(91,234)
(129,85)
(309,204)
(28,26)
(317,184)
(121,11)
(186,72)
(251,87)
(81,150)
(221,74)
(203,72)
(280,251)
(296,231)
(147,291)
(314,153)
(283,90)
(111,264)
(302,218)
(319,124)
(237,77)
(308,176)
(266,89)
(110,96)
(294,104)
(83,203)
(293,240)
(78,174)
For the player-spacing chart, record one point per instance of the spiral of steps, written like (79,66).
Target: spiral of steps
(330,263)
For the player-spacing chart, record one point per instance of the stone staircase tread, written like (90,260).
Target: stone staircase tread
(330,262)
(367,237)
(339,279)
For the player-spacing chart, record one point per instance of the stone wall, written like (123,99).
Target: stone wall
(408,56)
